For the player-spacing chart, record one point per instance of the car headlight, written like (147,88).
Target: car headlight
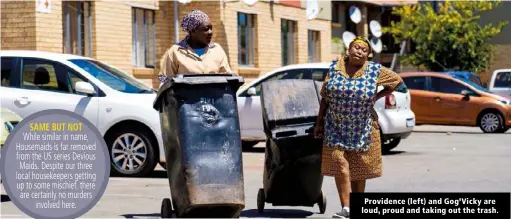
(8,127)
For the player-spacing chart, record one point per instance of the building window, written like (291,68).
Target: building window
(77,28)
(288,39)
(144,48)
(335,12)
(314,46)
(246,39)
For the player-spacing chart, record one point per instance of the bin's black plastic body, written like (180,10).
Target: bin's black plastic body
(292,170)
(201,134)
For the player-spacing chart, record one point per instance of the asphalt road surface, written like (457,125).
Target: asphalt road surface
(432,159)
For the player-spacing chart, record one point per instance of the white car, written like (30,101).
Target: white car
(500,82)
(396,118)
(120,106)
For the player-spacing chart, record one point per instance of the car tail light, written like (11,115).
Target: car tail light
(390,101)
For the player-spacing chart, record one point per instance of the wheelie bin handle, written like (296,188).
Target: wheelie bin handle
(235,81)
(292,131)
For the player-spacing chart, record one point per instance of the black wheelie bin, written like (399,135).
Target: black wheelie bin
(292,169)
(201,135)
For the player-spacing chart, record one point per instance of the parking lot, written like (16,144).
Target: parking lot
(432,159)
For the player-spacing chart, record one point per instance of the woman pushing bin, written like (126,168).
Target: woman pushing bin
(200,126)
(348,123)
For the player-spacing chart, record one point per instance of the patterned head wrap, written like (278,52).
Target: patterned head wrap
(193,20)
(359,39)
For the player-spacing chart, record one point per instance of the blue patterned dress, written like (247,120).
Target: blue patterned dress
(352,144)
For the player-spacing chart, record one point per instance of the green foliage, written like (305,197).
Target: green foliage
(336,40)
(451,38)
(338,45)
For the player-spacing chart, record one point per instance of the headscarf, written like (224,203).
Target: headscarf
(193,20)
(359,39)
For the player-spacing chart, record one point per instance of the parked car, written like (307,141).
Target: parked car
(119,105)
(9,120)
(500,82)
(442,99)
(396,119)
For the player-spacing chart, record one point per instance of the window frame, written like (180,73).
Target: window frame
(335,12)
(58,66)
(137,61)
(314,45)
(287,41)
(250,39)
(87,28)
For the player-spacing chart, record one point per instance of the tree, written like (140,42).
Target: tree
(449,38)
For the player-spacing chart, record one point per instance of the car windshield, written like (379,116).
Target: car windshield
(112,77)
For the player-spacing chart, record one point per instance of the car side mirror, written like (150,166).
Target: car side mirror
(252,91)
(85,87)
(468,93)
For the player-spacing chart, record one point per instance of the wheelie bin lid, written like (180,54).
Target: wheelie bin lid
(196,79)
(289,102)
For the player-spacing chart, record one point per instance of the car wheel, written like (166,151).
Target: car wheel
(389,144)
(491,122)
(131,152)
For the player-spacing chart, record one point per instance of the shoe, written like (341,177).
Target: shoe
(343,214)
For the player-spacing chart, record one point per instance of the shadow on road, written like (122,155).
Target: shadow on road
(251,213)
(156,174)
(465,133)
(392,153)
(276,213)
(5,198)
(141,215)
(254,150)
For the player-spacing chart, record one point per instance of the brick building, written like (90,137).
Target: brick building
(133,35)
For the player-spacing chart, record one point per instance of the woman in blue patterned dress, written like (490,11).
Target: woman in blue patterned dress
(348,122)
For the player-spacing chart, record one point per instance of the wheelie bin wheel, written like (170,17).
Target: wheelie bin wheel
(166,208)
(322,203)
(260,201)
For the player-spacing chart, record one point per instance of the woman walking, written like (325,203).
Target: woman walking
(196,53)
(348,123)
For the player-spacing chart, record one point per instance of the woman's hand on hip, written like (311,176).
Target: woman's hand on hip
(318,131)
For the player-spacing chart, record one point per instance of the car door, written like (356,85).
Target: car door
(45,84)
(250,112)
(421,98)
(502,83)
(448,101)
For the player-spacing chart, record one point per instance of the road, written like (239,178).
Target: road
(432,159)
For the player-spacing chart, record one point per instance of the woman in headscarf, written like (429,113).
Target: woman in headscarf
(348,123)
(195,54)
